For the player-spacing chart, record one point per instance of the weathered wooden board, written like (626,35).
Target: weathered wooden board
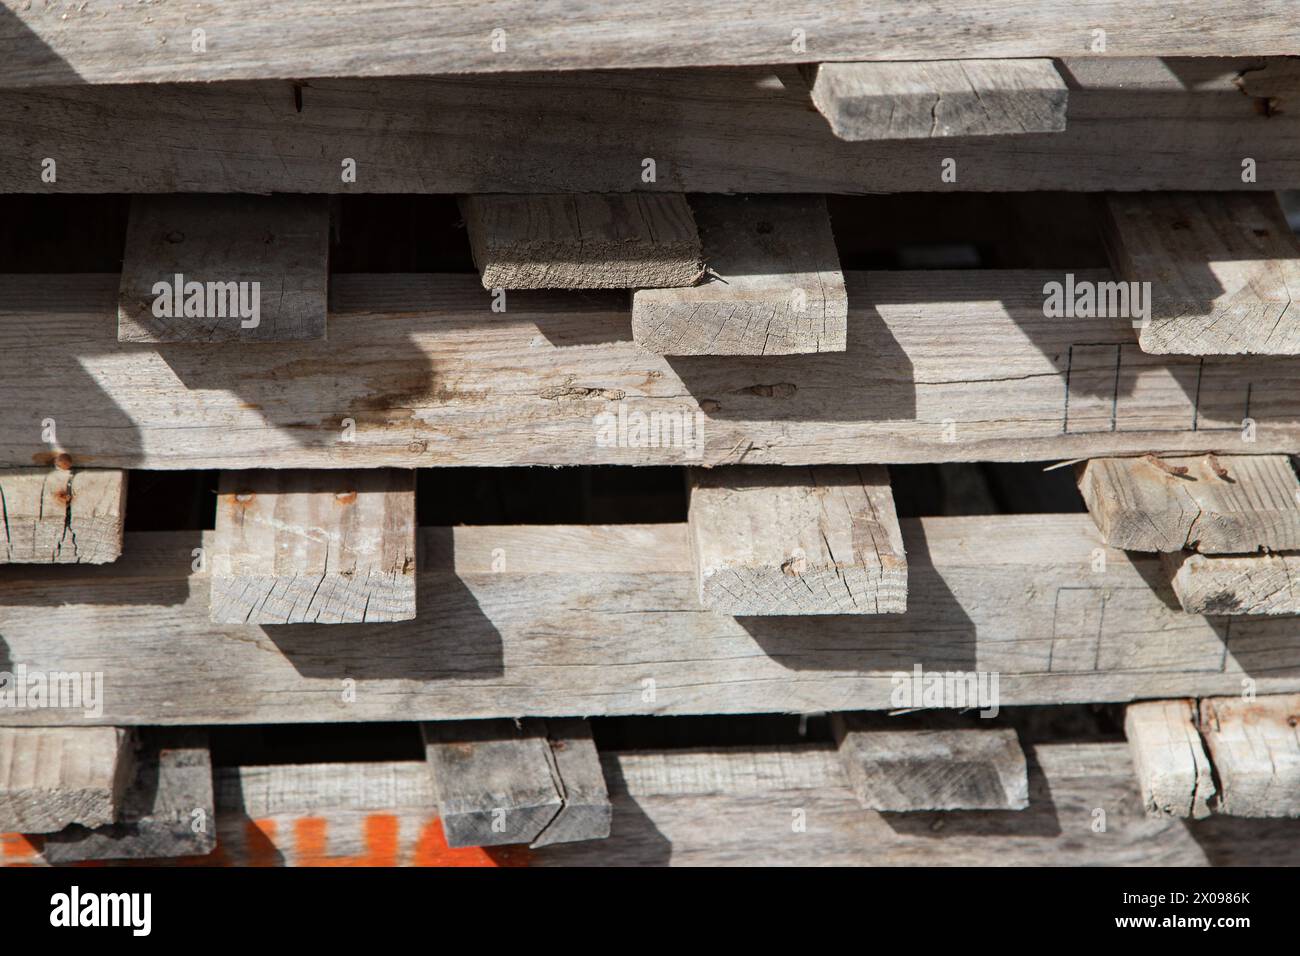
(1215,505)
(1255,746)
(586,813)
(1135,124)
(819,540)
(901,771)
(585,241)
(65,43)
(167,809)
(774,284)
(1174,774)
(316,547)
(54,515)
(51,777)
(225,269)
(567,621)
(938,98)
(427,375)
(1235,584)
(729,807)
(1223,269)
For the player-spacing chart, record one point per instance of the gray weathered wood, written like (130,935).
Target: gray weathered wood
(584,241)
(939,98)
(1223,271)
(1229,504)
(774,285)
(1255,746)
(900,771)
(585,813)
(323,547)
(167,810)
(62,43)
(61,515)
(1235,584)
(224,269)
(819,540)
(560,621)
(51,777)
(1135,124)
(1173,773)
(430,375)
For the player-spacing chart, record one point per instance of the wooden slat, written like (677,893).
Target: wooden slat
(1135,124)
(58,515)
(901,771)
(1255,746)
(774,285)
(500,782)
(1224,271)
(1235,584)
(1173,773)
(224,269)
(923,100)
(606,620)
(167,810)
(1230,504)
(52,777)
(612,241)
(430,375)
(322,547)
(797,541)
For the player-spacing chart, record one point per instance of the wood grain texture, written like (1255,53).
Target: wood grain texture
(585,813)
(901,771)
(606,621)
(61,43)
(1212,504)
(1235,584)
(612,241)
(167,809)
(431,376)
(940,98)
(224,269)
(1174,774)
(321,547)
(1224,271)
(734,806)
(1255,746)
(797,541)
(1135,124)
(774,285)
(52,777)
(56,515)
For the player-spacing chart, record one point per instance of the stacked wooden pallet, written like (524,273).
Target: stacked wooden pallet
(665,276)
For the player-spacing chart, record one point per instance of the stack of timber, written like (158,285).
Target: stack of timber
(288,305)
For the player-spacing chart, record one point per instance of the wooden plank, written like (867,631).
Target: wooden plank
(585,813)
(323,547)
(940,98)
(609,241)
(430,376)
(1235,584)
(167,810)
(1255,746)
(1212,504)
(797,541)
(901,771)
(1173,773)
(774,287)
(1135,124)
(61,43)
(1224,271)
(55,515)
(55,776)
(224,269)
(606,621)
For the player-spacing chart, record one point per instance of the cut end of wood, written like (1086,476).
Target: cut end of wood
(1235,584)
(1174,774)
(61,516)
(1255,746)
(54,777)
